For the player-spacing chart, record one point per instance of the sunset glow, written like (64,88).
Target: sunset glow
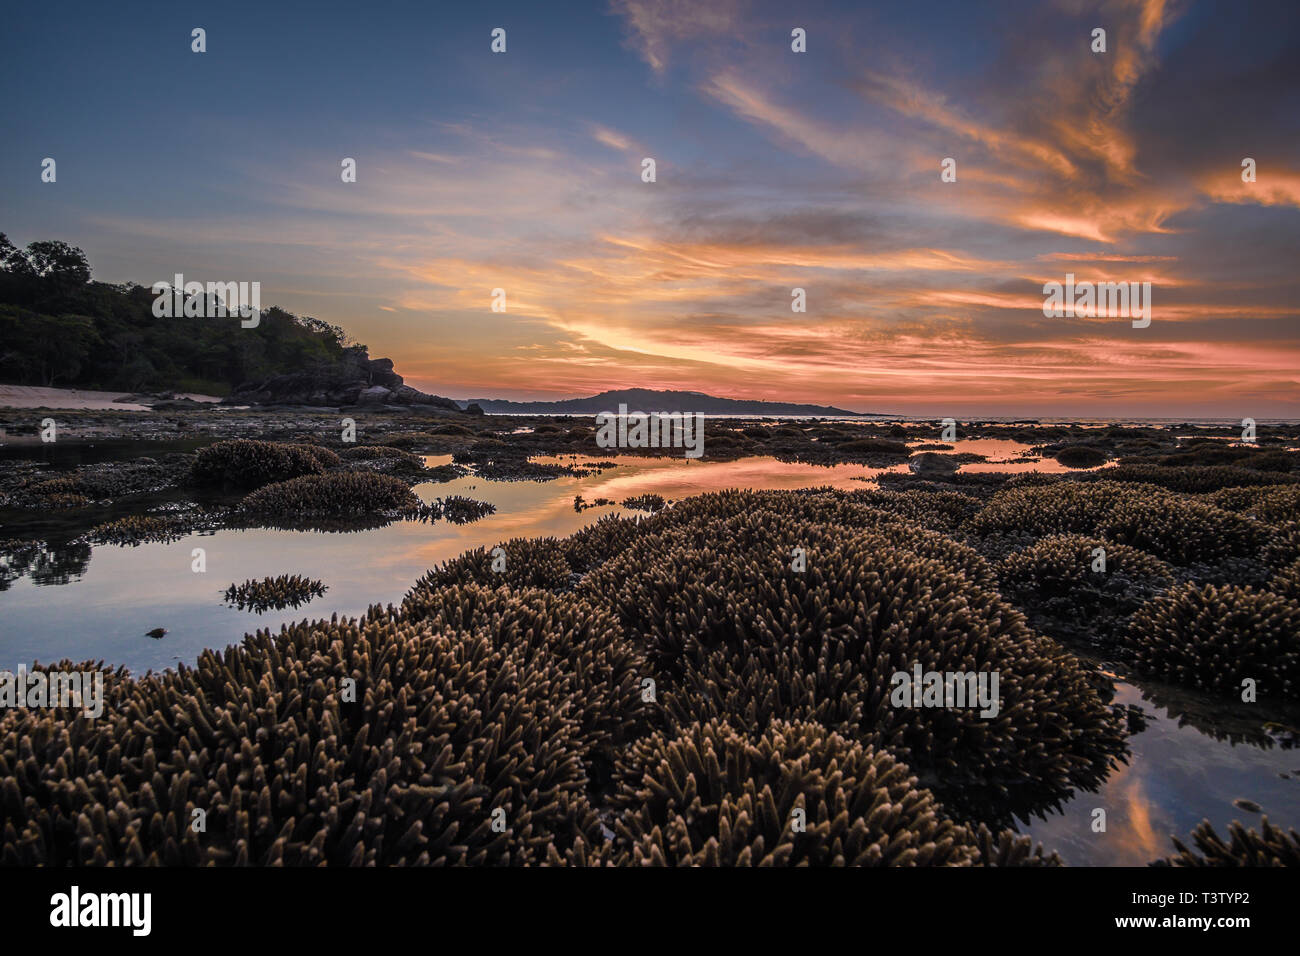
(775,171)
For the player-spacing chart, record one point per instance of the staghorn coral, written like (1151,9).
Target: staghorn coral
(371,452)
(1190,478)
(100,481)
(66,484)
(597,543)
(1007,848)
(710,797)
(441,473)
(323,456)
(1054,580)
(736,633)
(1215,637)
(1270,846)
(1284,546)
(342,494)
(841,510)
(878,447)
(135,530)
(1163,523)
(262,737)
(651,503)
(461,510)
(528,563)
(936,510)
(245,463)
(385,459)
(1274,504)
(1287,582)
(274,593)
(591,668)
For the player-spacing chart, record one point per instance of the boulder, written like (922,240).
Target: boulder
(931,465)
(381,372)
(356,379)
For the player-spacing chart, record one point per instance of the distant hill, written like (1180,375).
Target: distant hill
(647,400)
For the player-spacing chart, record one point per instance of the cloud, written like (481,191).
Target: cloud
(655,26)
(611,138)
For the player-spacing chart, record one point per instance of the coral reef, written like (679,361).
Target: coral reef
(385,459)
(460,510)
(669,687)
(140,529)
(245,463)
(340,494)
(592,669)
(651,503)
(709,796)
(517,563)
(1191,478)
(1213,638)
(1269,846)
(338,742)
(1054,581)
(736,633)
(274,593)
(1165,524)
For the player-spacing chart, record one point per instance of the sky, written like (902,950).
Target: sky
(774,170)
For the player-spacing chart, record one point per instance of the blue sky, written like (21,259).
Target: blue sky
(775,170)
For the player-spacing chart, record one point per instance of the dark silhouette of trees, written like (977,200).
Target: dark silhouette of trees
(59,328)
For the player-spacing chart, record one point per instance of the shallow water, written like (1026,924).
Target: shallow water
(1177,776)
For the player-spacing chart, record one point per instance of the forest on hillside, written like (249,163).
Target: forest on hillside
(58,327)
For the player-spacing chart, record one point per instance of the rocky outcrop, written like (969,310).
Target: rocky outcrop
(356,380)
(929,465)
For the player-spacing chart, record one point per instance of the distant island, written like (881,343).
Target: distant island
(648,400)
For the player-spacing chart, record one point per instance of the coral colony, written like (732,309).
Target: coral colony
(542,633)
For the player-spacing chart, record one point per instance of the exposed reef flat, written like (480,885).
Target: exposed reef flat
(669,687)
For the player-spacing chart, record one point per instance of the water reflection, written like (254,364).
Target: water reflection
(1176,777)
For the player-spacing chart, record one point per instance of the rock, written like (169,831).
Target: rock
(356,379)
(931,465)
(405,395)
(381,373)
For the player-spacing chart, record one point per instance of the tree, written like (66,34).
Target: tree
(53,259)
(11,259)
(60,344)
